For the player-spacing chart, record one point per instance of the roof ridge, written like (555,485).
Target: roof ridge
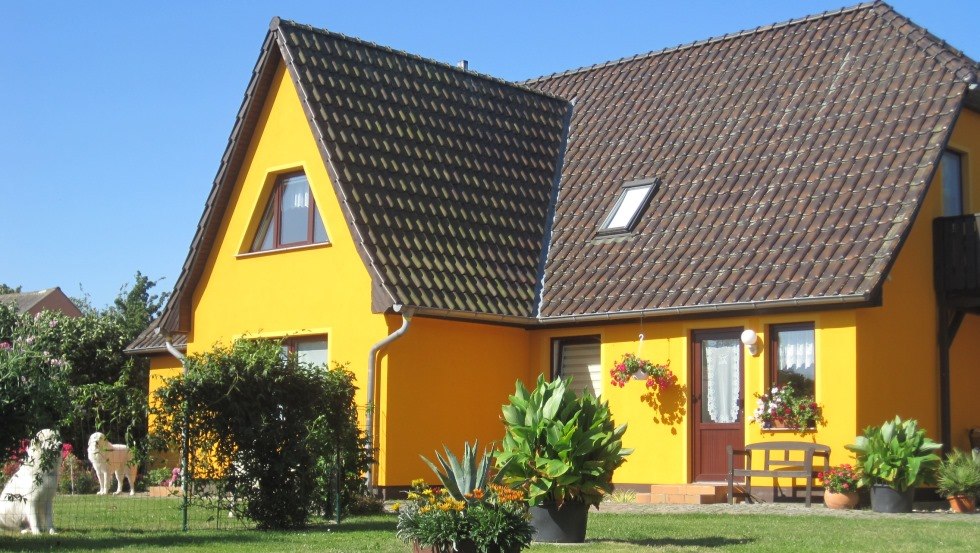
(924,34)
(277,22)
(702,42)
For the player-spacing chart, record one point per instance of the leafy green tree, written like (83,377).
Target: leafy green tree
(106,388)
(33,381)
(272,432)
(4,289)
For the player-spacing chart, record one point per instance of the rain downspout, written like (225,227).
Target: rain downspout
(185,438)
(372,367)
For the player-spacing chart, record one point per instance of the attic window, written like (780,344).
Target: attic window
(629,206)
(290,218)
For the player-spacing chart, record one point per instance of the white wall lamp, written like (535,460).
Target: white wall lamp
(751,341)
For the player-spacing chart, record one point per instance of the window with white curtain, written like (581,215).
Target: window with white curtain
(290,217)
(793,357)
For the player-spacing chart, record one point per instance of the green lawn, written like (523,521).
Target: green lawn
(607,532)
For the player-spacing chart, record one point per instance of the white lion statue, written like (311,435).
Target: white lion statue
(28,496)
(114,459)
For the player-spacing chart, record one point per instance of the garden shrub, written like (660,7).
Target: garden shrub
(269,431)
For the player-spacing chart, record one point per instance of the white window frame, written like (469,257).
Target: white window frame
(648,186)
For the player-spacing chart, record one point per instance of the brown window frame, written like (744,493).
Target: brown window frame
(275,205)
(774,331)
(558,342)
(291,342)
(604,228)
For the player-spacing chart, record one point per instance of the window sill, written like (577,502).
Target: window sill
(282,250)
(784,430)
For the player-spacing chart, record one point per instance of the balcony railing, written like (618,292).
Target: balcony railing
(956,252)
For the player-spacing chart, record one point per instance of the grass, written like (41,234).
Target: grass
(111,521)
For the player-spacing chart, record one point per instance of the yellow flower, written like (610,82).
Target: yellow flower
(396,506)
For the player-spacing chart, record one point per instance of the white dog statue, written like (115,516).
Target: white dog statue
(29,495)
(114,459)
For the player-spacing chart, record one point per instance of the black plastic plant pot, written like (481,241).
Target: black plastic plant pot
(885,499)
(560,525)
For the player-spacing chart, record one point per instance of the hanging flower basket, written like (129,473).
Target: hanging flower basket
(632,367)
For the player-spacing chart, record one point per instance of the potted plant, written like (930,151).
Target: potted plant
(562,449)
(783,407)
(840,486)
(958,480)
(637,368)
(470,512)
(894,458)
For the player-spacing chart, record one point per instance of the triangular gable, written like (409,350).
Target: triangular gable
(446,176)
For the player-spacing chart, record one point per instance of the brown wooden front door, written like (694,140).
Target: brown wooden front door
(717,401)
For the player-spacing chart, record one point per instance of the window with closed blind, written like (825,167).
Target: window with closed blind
(578,358)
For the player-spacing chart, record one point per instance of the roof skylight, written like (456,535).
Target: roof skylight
(630,204)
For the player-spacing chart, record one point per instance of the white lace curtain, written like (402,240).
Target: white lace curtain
(721,358)
(796,352)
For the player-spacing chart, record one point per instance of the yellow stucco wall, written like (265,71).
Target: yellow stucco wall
(445,383)
(897,353)
(660,432)
(320,289)
(162,366)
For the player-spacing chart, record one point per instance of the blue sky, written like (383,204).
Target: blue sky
(115,114)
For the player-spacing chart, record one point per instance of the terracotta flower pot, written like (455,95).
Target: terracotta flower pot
(962,503)
(844,500)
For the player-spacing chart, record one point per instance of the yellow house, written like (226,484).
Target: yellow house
(448,233)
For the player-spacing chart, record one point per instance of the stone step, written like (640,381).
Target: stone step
(686,494)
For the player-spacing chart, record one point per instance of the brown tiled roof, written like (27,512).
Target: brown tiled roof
(792,160)
(151,341)
(446,176)
(51,298)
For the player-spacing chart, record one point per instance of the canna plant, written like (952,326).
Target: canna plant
(560,446)
(896,454)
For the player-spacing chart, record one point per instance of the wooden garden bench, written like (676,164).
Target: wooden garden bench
(786,465)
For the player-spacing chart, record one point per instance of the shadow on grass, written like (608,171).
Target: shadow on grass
(143,541)
(355,525)
(680,542)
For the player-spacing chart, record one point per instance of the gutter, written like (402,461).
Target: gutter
(185,437)
(706,309)
(369,422)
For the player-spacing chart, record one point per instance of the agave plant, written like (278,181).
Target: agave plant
(462,477)
(896,454)
(562,447)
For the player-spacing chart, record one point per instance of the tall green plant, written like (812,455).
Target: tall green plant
(959,474)
(461,476)
(896,454)
(560,446)
(271,430)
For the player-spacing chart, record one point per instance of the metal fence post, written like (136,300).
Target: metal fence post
(339,473)
(184,455)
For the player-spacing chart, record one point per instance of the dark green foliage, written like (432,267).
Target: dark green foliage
(896,454)
(76,477)
(959,474)
(560,446)
(33,386)
(101,388)
(5,289)
(268,430)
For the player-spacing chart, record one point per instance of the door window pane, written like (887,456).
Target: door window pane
(720,378)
